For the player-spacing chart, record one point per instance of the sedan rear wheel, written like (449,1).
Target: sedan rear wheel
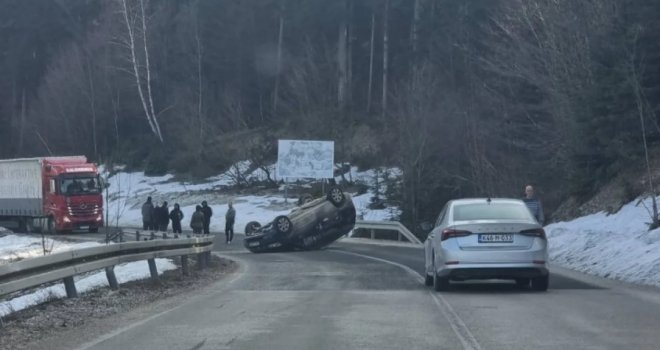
(428,280)
(541,283)
(439,283)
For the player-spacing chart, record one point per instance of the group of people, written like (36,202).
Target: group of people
(158,218)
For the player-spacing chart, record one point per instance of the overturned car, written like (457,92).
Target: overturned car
(313,225)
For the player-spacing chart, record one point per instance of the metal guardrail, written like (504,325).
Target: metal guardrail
(373,226)
(32,272)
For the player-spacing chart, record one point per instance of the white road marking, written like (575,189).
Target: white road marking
(459,327)
(243,268)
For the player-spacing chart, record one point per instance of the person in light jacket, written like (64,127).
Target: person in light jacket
(534,204)
(230,217)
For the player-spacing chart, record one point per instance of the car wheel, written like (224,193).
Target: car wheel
(522,282)
(428,280)
(251,227)
(26,225)
(541,283)
(304,199)
(50,228)
(336,196)
(283,224)
(439,283)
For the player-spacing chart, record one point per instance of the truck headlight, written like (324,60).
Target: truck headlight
(66,219)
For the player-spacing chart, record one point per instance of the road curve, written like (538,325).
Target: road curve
(359,296)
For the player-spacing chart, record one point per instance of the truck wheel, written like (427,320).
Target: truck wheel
(283,224)
(29,225)
(336,196)
(50,228)
(251,227)
(23,225)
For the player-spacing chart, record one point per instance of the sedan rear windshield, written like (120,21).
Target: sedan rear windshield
(492,211)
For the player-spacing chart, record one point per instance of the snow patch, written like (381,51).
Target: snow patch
(126,272)
(128,191)
(14,247)
(617,246)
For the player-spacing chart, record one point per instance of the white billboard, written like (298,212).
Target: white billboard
(305,159)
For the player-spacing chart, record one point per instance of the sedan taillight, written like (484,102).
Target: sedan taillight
(535,232)
(451,233)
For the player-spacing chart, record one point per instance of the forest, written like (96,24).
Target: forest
(467,97)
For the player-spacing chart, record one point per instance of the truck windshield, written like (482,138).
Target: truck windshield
(80,185)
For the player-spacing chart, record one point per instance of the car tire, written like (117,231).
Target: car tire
(283,224)
(440,284)
(336,196)
(522,282)
(251,227)
(50,226)
(304,199)
(428,280)
(541,283)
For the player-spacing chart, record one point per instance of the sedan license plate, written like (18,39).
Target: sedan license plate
(496,238)
(253,244)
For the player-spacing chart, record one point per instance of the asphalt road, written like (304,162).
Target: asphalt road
(365,296)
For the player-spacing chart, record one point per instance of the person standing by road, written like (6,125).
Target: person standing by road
(176,215)
(147,214)
(208,212)
(197,220)
(229,223)
(163,217)
(534,204)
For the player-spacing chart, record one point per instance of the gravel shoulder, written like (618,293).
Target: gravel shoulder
(103,308)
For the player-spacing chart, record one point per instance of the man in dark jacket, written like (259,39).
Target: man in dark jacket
(208,212)
(197,220)
(163,217)
(176,215)
(229,223)
(147,214)
(534,204)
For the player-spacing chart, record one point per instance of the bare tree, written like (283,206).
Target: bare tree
(342,62)
(371,61)
(641,103)
(131,16)
(414,33)
(280,38)
(386,51)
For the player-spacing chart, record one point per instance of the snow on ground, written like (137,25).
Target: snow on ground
(617,246)
(84,283)
(129,190)
(14,247)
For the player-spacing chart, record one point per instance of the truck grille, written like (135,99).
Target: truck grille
(84,209)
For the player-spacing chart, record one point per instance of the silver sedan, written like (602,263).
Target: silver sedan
(486,238)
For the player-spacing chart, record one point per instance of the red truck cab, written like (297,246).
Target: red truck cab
(72,195)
